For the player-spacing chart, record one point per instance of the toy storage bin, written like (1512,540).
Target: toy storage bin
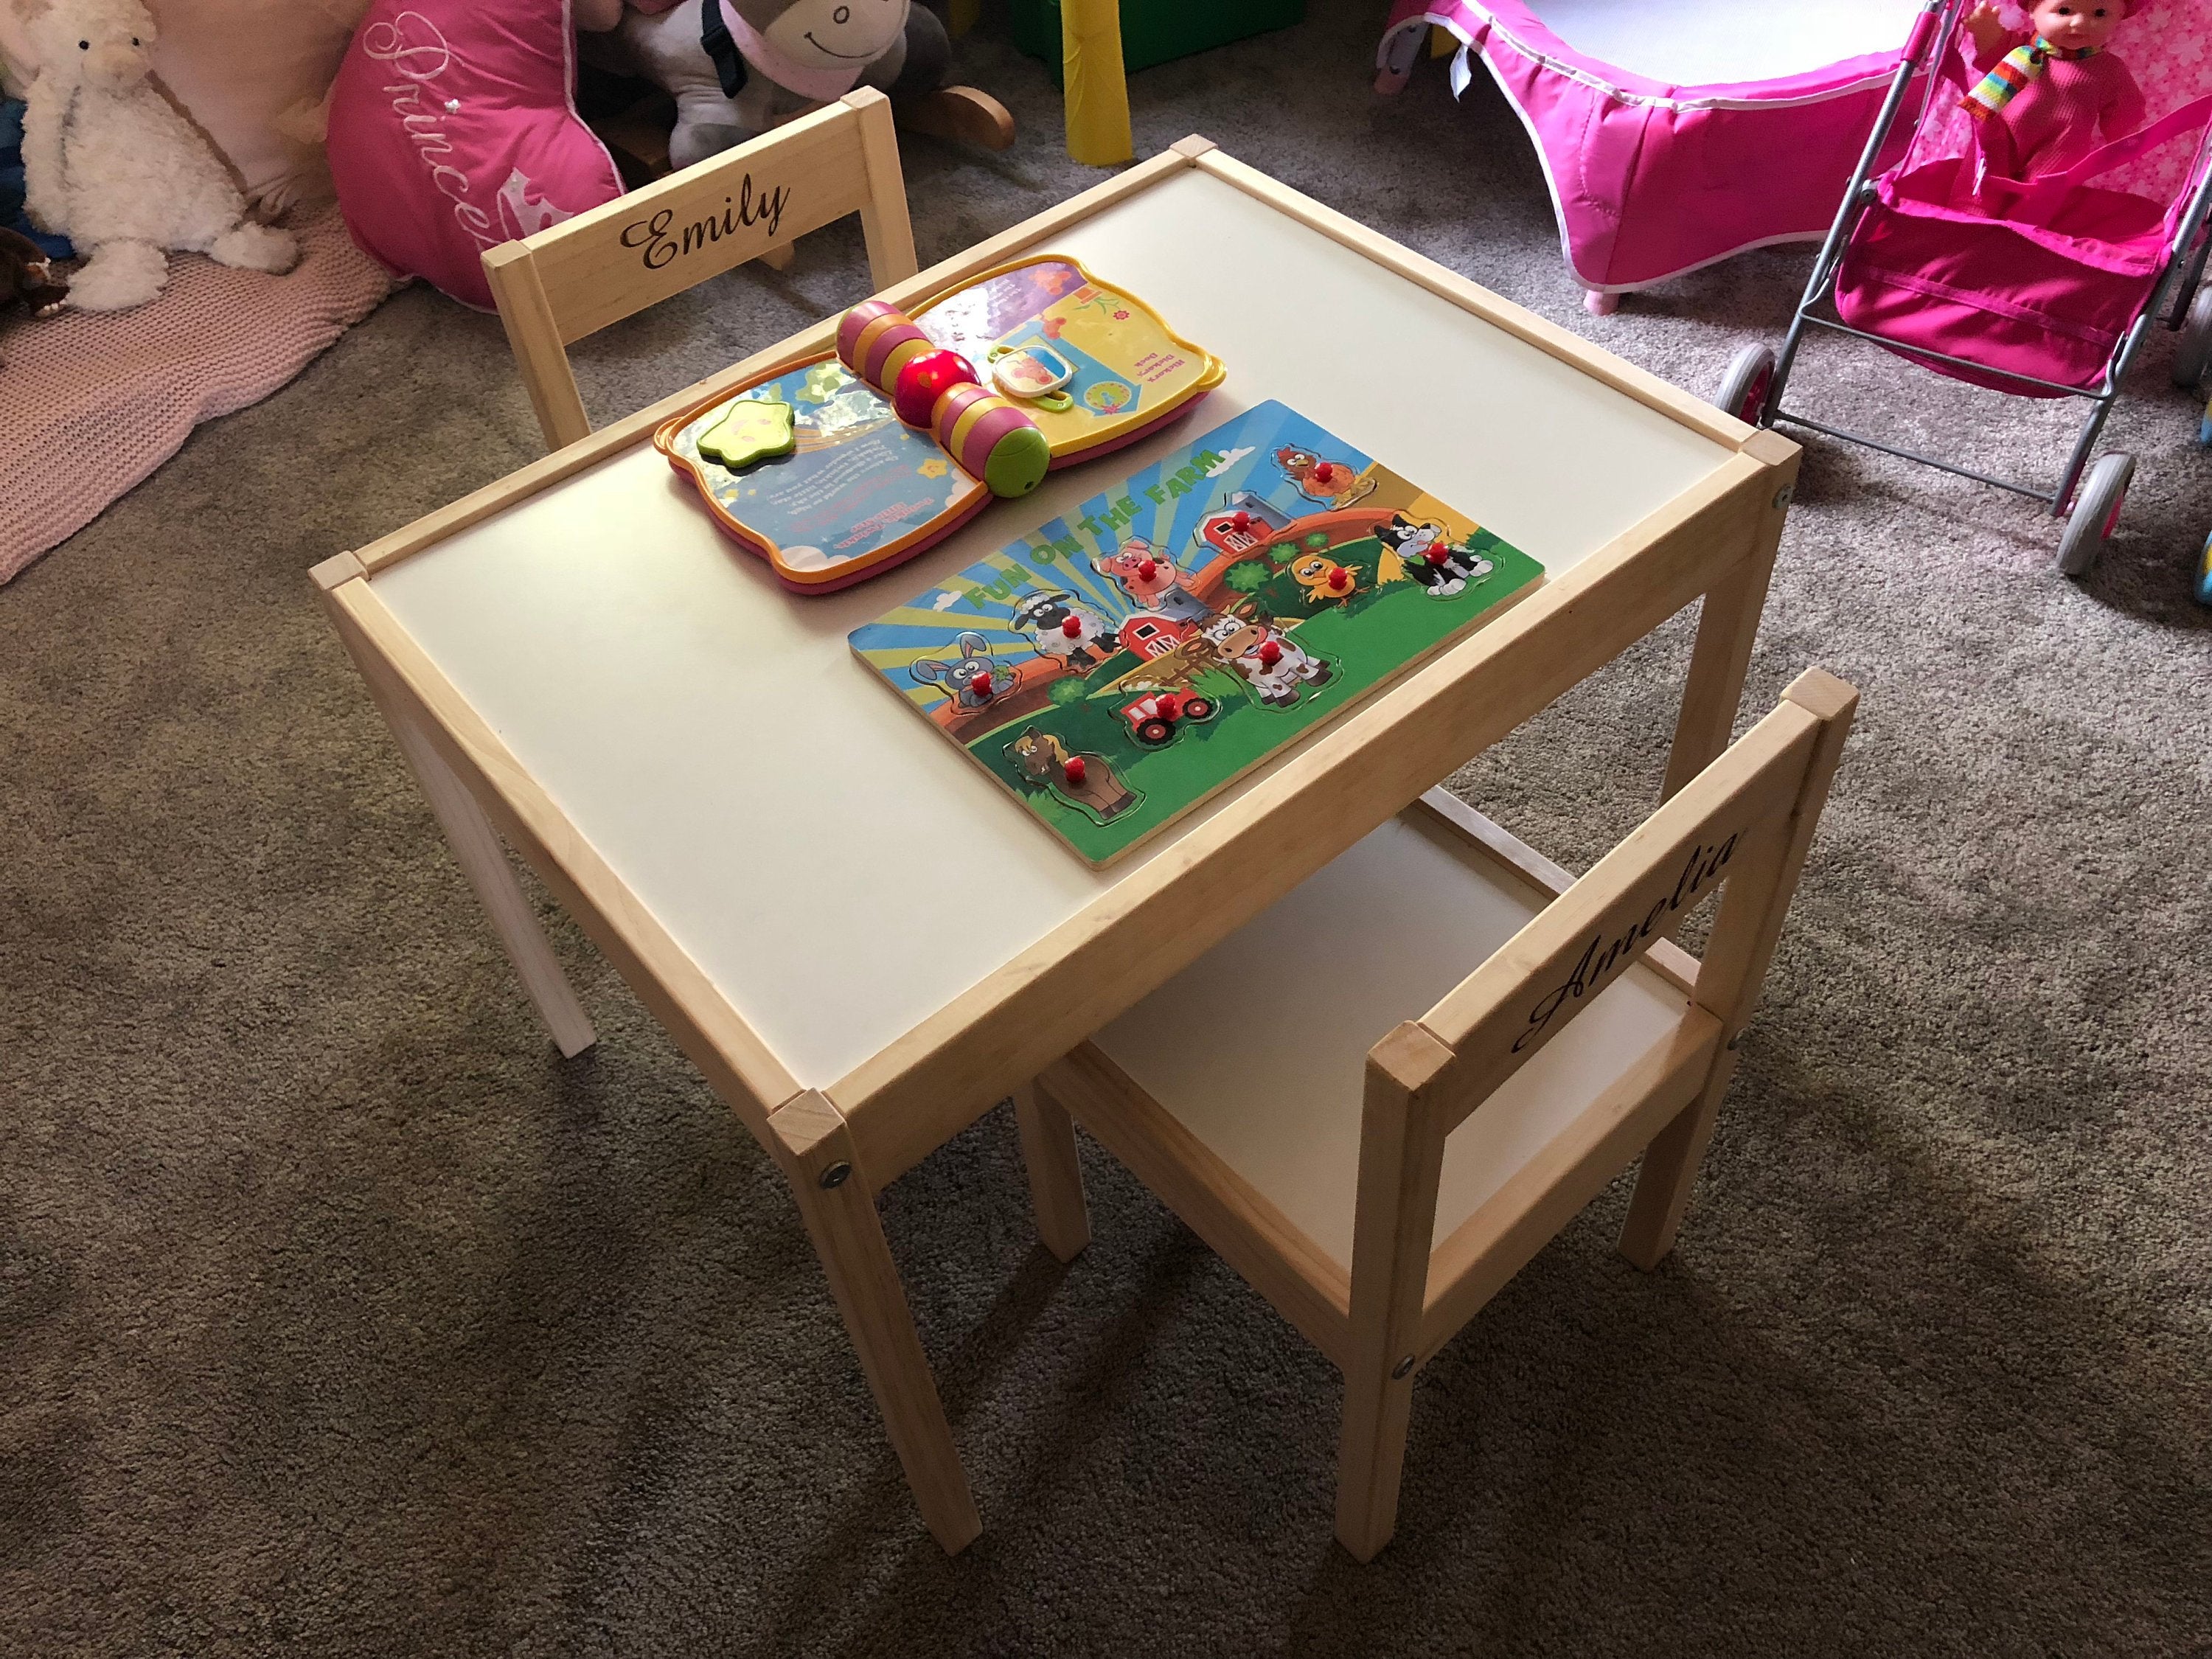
(1156,31)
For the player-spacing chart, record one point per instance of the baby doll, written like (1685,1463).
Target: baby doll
(2046,91)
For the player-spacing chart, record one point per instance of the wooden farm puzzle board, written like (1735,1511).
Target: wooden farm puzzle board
(1188,623)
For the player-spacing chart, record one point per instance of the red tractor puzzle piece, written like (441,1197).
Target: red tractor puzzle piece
(1153,717)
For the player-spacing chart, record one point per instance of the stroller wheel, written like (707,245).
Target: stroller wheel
(2096,513)
(1745,387)
(2193,354)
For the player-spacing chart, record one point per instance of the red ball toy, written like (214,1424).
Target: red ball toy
(925,379)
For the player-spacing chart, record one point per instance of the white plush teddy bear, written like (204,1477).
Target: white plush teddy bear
(109,162)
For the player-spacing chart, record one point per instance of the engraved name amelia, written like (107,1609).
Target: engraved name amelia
(1598,958)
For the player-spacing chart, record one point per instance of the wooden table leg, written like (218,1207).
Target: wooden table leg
(477,849)
(811,1142)
(1055,1174)
(1728,624)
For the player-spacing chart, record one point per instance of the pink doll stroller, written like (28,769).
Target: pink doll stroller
(2041,289)
(1660,130)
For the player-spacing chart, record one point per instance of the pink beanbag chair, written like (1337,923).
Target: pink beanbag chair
(453,129)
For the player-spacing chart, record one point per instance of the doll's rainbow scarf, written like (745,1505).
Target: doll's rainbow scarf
(2015,71)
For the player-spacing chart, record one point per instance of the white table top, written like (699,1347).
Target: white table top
(837,869)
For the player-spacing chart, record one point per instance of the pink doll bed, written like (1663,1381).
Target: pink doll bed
(1669,144)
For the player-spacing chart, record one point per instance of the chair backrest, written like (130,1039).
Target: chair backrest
(1741,829)
(612,262)
(1741,826)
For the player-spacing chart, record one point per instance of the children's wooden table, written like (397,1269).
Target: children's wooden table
(849,928)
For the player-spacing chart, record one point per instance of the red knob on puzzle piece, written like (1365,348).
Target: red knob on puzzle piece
(1337,578)
(1243,521)
(1072,628)
(923,379)
(981,685)
(1270,653)
(1147,570)
(1437,555)
(1074,770)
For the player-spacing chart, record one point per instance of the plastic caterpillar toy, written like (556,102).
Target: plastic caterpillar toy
(991,438)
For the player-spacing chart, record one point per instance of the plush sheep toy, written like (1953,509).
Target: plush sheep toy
(109,163)
(738,68)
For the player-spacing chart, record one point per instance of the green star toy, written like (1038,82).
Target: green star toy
(755,429)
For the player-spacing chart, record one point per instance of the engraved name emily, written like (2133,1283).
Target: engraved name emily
(1702,869)
(660,240)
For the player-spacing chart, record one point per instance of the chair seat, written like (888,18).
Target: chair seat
(1259,1048)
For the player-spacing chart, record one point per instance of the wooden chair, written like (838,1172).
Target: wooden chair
(1379,1219)
(599,267)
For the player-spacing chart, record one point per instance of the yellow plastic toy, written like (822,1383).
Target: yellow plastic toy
(1097,90)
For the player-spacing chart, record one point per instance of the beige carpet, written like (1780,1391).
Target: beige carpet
(339,1316)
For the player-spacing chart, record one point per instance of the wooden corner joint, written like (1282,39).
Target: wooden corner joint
(1191,148)
(1822,695)
(1412,1056)
(338,569)
(1769,448)
(807,1135)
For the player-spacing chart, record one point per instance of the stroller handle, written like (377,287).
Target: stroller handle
(1931,29)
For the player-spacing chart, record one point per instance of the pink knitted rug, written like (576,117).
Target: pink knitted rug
(91,404)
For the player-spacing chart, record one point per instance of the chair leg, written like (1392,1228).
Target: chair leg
(1401,1149)
(1670,1169)
(1736,959)
(1055,1175)
(1371,1456)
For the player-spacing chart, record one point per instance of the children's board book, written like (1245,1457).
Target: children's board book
(1125,371)
(810,468)
(1115,668)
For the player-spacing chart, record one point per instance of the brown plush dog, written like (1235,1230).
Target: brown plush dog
(26,275)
